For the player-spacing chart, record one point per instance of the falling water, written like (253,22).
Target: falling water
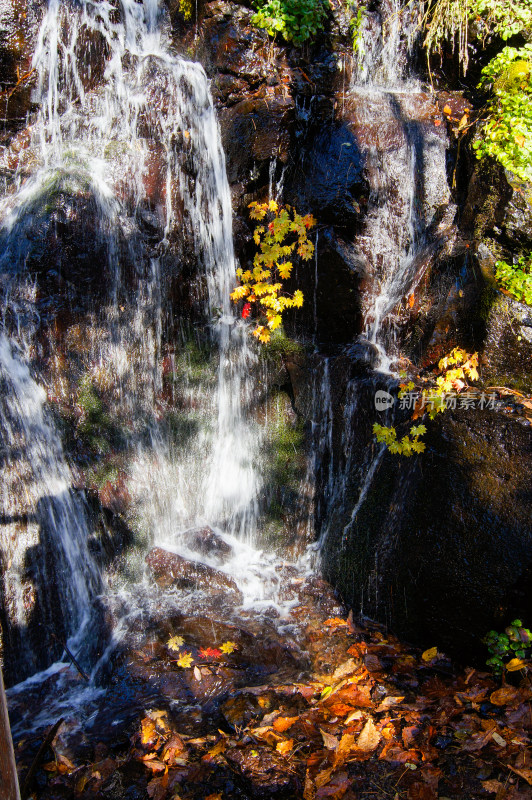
(108,127)
(51,545)
(405,166)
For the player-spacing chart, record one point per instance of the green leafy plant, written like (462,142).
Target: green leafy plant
(356,25)
(295,20)
(506,133)
(449,21)
(516,279)
(513,644)
(454,370)
(406,446)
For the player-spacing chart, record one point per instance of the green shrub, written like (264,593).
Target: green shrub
(506,134)
(516,278)
(295,20)
(514,643)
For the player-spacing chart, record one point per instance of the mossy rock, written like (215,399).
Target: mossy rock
(507,355)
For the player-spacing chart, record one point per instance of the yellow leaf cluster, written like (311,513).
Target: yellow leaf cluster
(285,233)
(229,647)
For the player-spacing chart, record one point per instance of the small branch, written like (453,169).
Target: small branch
(72,658)
(50,736)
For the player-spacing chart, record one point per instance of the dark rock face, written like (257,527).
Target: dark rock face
(170,569)
(442,544)
(329,178)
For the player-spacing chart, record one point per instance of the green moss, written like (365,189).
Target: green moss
(281,346)
(97,430)
(193,364)
(487,299)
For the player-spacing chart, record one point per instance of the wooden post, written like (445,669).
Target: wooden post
(9,789)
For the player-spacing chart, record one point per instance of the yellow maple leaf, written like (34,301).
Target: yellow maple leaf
(229,647)
(284,270)
(175,642)
(274,322)
(298,298)
(272,205)
(264,336)
(239,292)
(185,661)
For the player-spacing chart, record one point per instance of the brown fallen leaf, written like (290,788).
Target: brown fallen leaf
(345,669)
(389,702)
(336,788)
(155,765)
(493,786)
(345,747)
(504,695)
(330,741)
(309,790)
(369,737)
(523,773)
(421,791)
(323,777)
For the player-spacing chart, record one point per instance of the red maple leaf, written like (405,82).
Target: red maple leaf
(210,652)
(246,311)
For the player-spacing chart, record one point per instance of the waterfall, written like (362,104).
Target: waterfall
(119,113)
(404,153)
(405,159)
(52,544)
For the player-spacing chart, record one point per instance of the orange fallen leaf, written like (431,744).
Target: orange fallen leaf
(282,724)
(447,110)
(285,747)
(335,622)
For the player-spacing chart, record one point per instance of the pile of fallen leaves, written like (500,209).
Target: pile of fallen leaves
(374,718)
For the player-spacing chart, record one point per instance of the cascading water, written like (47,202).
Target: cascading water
(404,156)
(45,527)
(405,168)
(118,114)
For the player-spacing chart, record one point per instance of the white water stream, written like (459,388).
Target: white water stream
(102,138)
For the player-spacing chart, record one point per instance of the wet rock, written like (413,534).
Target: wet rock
(507,354)
(329,179)
(208,543)
(255,130)
(364,355)
(450,532)
(171,569)
(264,772)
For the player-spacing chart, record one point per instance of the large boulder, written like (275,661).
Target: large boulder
(170,569)
(441,546)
